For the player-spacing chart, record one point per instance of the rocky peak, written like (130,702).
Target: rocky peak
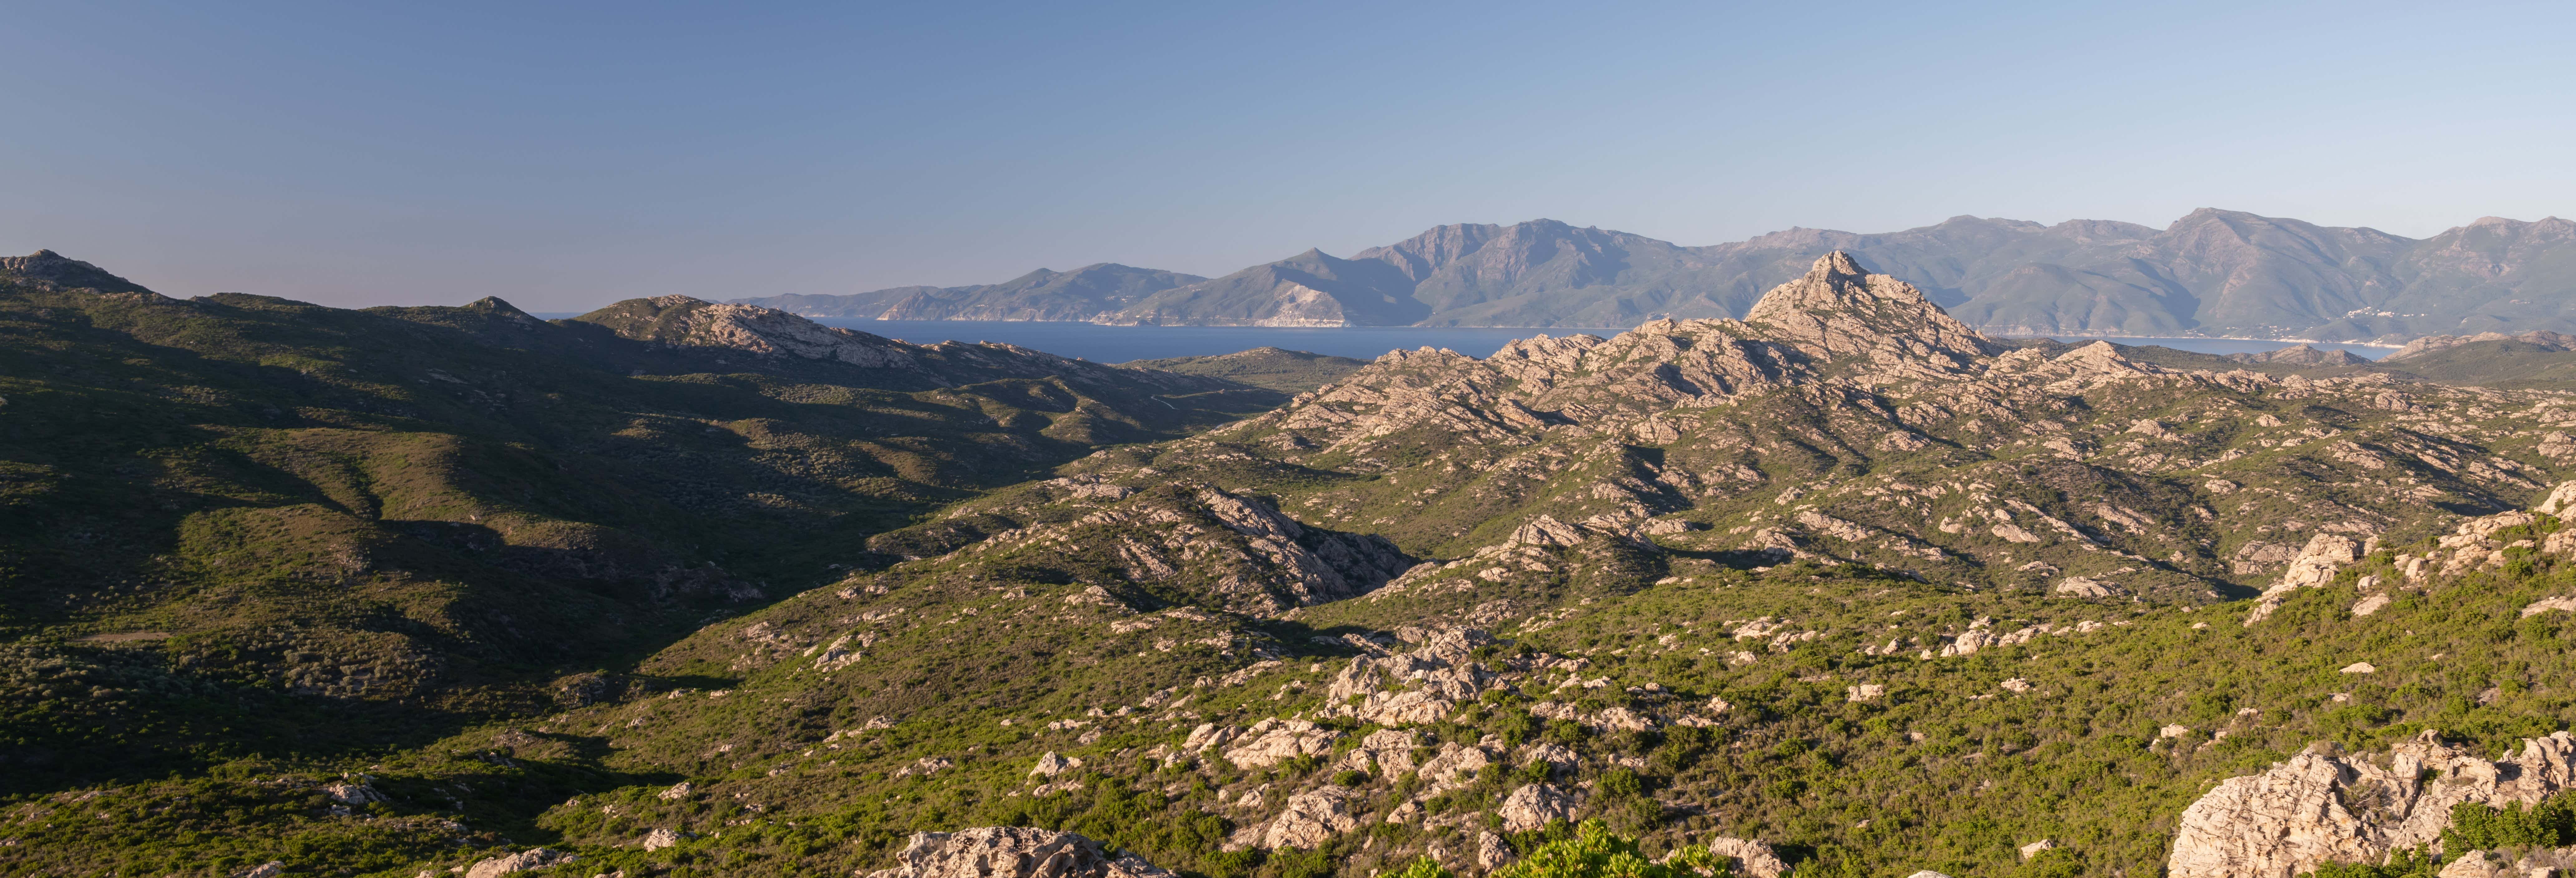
(1842,309)
(495,306)
(53,268)
(689,321)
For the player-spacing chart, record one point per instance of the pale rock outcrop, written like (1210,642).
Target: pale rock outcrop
(1207,736)
(1311,818)
(532,858)
(1012,852)
(1533,806)
(1272,741)
(1750,857)
(2562,604)
(1492,853)
(2087,587)
(1557,756)
(2318,560)
(1384,753)
(2543,863)
(1545,530)
(1979,637)
(2557,446)
(2561,501)
(1454,766)
(1051,765)
(2470,547)
(2323,806)
(2313,567)
(1415,687)
(660,838)
(353,792)
(1608,719)
(926,766)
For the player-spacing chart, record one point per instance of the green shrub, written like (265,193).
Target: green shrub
(1425,867)
(2403,863)
(1621,783)
(2549,824)
(1595,852)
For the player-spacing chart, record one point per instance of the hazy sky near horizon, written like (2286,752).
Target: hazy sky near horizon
(565,155)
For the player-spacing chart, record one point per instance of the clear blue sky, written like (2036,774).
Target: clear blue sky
(564,155)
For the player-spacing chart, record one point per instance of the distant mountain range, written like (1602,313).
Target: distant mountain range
(2214,273)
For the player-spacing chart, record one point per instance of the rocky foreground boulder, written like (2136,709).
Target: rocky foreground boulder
(2325,806)
(2515,864)
(1013,852)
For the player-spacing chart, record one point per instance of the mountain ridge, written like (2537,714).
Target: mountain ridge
(2212,272)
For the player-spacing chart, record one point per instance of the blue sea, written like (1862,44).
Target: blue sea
(2243,345)
(1119,344)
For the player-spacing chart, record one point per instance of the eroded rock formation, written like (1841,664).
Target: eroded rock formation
(2325,806)
(1013,852)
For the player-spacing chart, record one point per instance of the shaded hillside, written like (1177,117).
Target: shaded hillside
(301,530)
(1079,294)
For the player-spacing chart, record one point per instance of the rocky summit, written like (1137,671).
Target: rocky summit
(1839,587)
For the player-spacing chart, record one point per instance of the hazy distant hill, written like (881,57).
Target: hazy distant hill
(1080,294)
(2213,273)
(1308,289)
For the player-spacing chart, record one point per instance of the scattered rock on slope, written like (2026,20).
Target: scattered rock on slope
(2313,567)
(532,858)
(1012,852)
(1533,806)
(1750,857)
